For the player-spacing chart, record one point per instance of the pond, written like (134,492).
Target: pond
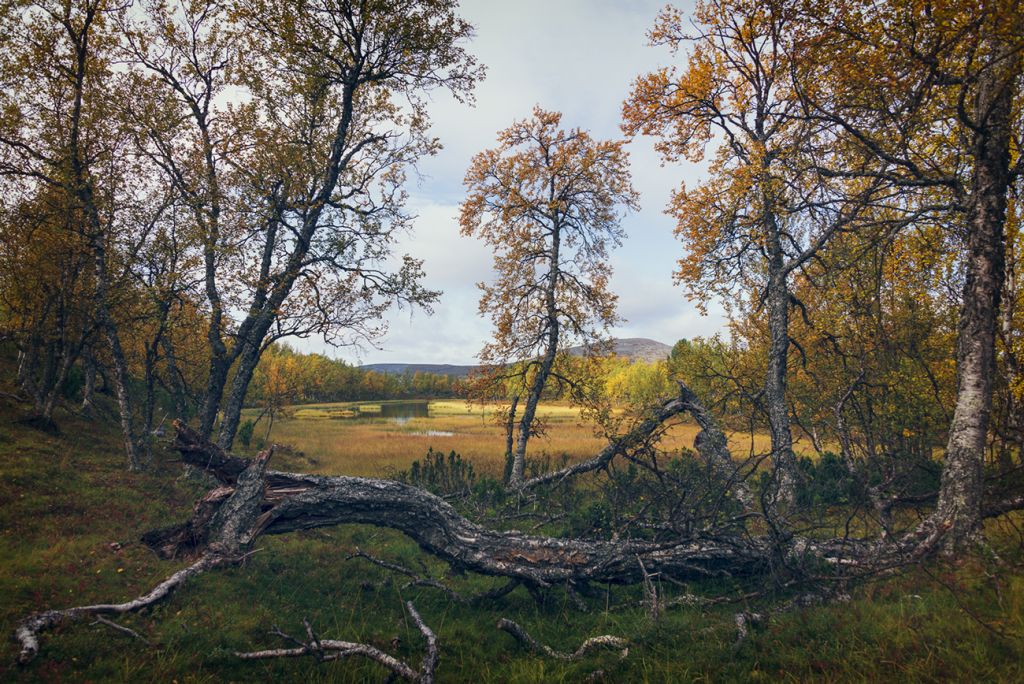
(389,411)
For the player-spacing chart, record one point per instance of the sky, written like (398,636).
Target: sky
(578,57)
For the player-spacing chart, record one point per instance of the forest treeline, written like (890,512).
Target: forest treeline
(285,376)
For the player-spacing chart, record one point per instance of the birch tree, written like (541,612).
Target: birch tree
(548,201)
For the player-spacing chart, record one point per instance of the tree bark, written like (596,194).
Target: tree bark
(216,379)
(510,436)
(515,479)
(960,496)
(178,390)
(247,362)
(89,388)
(783,488)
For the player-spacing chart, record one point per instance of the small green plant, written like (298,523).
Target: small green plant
(245,433)
(443,475)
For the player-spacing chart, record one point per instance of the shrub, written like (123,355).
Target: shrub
(443,475)
(245,433)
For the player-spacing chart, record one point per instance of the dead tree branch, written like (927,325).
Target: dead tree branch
(28,630)
(331,649)
(710,443)
(100,620)
(590,644)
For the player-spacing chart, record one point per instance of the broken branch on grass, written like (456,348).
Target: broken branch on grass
(605,641)
(651,598)
(744,621)
(229,529)
(100,620)
(28,630)
(331,649)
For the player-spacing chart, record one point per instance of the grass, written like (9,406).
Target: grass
(342,443)
(70,515)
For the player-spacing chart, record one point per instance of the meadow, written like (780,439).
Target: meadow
(71,516)
(347,438)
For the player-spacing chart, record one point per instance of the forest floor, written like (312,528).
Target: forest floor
(71,515)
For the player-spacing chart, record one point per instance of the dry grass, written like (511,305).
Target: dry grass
(375,447)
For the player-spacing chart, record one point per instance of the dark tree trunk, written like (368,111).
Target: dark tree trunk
(27,362)
(43,388)
(178,389)
(215,383)
(121,387)
(510,435)
(69,355)
(235,400)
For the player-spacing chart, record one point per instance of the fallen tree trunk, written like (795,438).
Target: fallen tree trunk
(293,501)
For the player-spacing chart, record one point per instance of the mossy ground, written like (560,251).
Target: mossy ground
(70,516)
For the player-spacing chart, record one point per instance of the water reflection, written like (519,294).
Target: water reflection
(395,412)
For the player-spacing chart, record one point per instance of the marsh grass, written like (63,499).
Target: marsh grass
(64,500)
(336,440)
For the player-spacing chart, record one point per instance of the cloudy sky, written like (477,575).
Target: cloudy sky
(573,56)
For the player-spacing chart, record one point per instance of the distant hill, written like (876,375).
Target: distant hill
(632,348)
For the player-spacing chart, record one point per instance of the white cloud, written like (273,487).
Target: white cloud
(578,57)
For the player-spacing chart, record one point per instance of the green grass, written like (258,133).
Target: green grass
(65,499)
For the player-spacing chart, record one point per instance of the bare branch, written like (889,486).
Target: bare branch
(605,641)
